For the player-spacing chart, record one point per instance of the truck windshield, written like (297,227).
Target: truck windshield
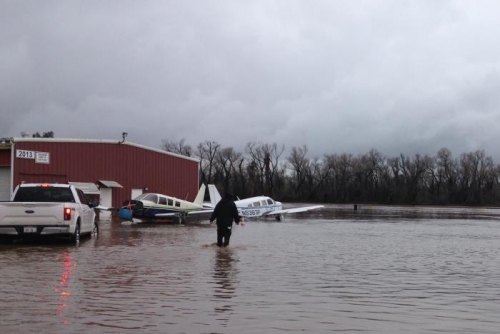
(39,194)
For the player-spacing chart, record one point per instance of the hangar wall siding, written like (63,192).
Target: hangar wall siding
(4,183)
(5,158)
(131,166)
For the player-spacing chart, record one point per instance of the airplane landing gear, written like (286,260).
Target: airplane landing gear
(181,218)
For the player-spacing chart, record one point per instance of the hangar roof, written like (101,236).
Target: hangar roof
(99,141)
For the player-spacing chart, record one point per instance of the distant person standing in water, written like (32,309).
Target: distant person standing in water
(225,212)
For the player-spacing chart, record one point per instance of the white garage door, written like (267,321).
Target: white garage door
(4,183)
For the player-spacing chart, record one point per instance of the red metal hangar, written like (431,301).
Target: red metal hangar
(113,170)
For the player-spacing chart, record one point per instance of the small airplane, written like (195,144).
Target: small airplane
(151,206)
(259,206)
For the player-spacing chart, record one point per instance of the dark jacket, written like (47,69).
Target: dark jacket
(225,212)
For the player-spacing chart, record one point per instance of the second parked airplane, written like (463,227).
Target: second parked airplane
(259,206)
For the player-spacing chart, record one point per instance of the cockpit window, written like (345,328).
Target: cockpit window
(151,197)
(163,200)
(270,201)
(140,197)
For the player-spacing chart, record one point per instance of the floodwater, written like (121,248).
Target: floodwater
(370,270)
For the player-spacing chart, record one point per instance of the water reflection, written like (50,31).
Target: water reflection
(225,278)
(63,289)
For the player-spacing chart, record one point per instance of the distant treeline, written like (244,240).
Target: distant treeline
(470,179)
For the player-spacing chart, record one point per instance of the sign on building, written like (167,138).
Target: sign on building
(40,157)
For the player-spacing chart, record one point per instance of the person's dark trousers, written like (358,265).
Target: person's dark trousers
(223,236)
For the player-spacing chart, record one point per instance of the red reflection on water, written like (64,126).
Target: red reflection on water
(64,287)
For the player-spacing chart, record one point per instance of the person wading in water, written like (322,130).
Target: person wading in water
(225,212)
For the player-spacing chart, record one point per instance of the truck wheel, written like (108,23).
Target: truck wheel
(76,234)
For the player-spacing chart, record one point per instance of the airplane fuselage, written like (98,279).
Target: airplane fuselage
(152,212)
(257,206)
(149,206)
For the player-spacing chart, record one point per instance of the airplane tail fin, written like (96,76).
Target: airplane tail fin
(201,195)
(214,194)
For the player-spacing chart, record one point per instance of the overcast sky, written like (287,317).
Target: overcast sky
(338,76)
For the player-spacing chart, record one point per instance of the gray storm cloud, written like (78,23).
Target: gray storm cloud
(337,76)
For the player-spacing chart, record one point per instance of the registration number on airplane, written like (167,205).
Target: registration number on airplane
(251,212)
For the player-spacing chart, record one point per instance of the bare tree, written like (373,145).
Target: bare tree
(475,168)
(299,165)
(445,176)
(372,169)
(317,173)
(472,179)
(266,158)
(273,153)
(330,191)
(48,134)
(227,159)
(344,175)
(207,151)
(177,147)
(413,171)
(258,162)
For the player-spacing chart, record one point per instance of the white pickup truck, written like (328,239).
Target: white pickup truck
(38,209)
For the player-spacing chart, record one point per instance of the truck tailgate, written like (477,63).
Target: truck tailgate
(29,213)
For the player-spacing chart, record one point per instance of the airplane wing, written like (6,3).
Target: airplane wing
(294,210)
(189,213)
(105,208)
(170,214)
(197,212)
